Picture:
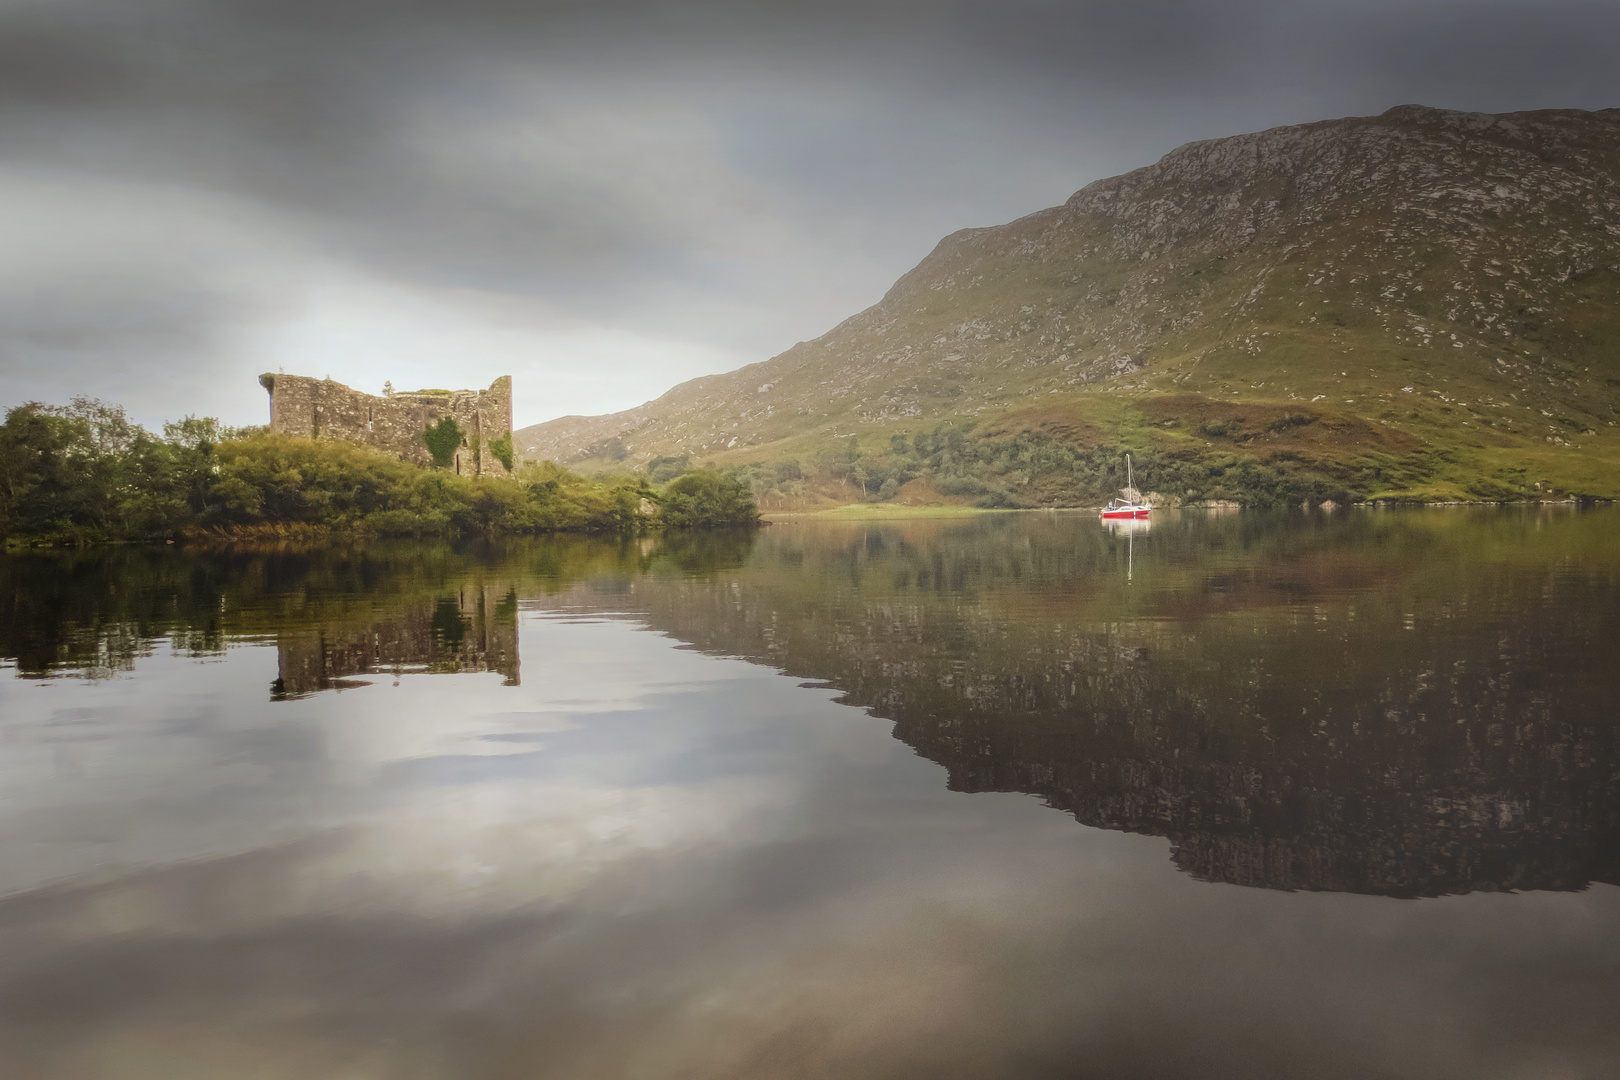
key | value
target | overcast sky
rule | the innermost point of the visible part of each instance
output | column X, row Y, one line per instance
column 603, row 199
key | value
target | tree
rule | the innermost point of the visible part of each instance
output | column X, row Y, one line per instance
column 110, row 429
column 704, row 498
column 52, row 482
column 663, row 469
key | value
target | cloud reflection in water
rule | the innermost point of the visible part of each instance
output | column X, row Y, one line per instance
column 653, row 860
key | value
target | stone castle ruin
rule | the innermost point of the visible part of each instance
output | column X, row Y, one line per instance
column 477, row 441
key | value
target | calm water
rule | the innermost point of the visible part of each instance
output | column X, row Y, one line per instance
column 1017, row 796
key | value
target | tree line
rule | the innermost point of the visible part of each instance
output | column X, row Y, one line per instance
column 1031, row 470
column 86, row 473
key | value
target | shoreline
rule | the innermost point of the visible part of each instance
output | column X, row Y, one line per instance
column 313, row 536
column 897, row 512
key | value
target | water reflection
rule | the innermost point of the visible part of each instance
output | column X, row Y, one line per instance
column 1398, row 705
column 673, row 854
column 1405, row 706
column 474, row 630
column 1129, row 528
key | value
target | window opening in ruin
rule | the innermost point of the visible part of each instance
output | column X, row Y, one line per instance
column 458, row 464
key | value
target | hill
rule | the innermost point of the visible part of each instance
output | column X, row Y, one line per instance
column 1419, row 305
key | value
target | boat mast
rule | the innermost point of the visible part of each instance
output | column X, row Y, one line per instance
column 1130, row 482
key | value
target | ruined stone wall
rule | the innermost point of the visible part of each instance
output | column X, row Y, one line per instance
column 323, row 409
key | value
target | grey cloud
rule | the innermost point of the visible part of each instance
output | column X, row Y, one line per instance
column 738, row 174
column 156, row 333
column 131, row 311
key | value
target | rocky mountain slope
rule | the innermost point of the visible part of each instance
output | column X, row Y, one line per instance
column 1430, row 296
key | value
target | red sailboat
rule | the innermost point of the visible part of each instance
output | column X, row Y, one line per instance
column 1132, row 507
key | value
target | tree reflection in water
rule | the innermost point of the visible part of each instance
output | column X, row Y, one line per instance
column 1397, row 704
column 1403, row 704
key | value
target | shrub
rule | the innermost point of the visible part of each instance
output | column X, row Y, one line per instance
column 962, row 485
column 502, row 449
column 661, row 470
column 704, row 498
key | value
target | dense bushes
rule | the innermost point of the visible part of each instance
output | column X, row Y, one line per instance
column 705, row 499
column 85, row 473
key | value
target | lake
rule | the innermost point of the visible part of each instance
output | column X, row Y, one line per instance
column 1020, row 795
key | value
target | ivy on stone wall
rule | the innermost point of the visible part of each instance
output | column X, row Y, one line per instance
column 442, row 439
column 502, row 449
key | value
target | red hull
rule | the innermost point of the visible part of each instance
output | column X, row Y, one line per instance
column 1128, row 512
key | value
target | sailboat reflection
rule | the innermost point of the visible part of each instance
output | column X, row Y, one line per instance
column 1129, row 527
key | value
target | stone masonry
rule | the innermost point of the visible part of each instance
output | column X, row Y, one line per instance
column 323, row 409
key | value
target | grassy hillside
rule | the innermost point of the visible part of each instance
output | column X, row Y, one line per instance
column 1420, row 305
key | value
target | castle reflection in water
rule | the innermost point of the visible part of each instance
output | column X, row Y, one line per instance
column 472, row 631
column 1401, row 706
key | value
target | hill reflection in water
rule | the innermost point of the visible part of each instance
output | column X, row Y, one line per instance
column 1401, row 704
column 1387, row 703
